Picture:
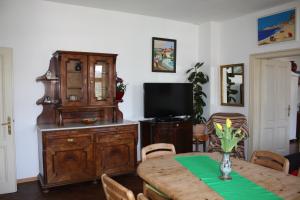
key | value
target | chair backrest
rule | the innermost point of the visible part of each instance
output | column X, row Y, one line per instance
column 115, row 191
column 158, row 149
column 238, row 121
column 271, row 160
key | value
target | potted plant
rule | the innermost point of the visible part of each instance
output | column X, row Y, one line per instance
column 198, row 78
column 120, row 88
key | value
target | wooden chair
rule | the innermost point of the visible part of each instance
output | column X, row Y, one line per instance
column 158, row 149
column 153, row 151
column 115, row 191
column 271, row 160
column 200, row 139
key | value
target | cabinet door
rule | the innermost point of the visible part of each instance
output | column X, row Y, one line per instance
column 115, row 153
column 73, row 80
column 184, row 137
column 163, row 133
column 69, row 157
column 102, row 84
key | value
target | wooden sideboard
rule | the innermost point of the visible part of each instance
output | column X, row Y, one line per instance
column 76, row 153
column 179, row 133
column 80, row 87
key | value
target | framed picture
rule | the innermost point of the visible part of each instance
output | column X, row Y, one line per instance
column 277, row 27
column 163, row 55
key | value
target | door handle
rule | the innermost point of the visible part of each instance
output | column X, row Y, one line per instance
column 8, row 124
column 289, row 110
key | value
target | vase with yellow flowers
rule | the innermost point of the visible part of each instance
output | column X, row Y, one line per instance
column 229, row 139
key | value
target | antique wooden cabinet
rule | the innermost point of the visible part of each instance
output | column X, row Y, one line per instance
column 80, row 88
column 75, row 153
column 179, row 133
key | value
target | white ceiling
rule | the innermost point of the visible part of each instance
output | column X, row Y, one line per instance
column 192, row 11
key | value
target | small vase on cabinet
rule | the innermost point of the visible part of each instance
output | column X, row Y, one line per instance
column 119, row 95
column 293, row 66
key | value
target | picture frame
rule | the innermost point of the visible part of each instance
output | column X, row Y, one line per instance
column 232, row 84
column 163, row 55
column 277, row 27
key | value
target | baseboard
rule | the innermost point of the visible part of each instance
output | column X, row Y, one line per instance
column 25, row 180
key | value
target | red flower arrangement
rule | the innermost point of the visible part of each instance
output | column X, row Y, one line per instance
column 120, row 88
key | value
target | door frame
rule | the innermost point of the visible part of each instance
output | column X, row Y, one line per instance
column 255, row 91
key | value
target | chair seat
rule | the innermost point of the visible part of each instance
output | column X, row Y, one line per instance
column 200, row 139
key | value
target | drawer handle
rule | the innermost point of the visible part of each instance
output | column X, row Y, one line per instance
column 70, row 140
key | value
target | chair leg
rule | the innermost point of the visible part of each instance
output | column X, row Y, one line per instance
column 197, row 145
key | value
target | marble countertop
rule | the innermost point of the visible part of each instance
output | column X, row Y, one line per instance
column 70, row 126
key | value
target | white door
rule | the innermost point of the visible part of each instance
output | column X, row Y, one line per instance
column 275, row 106
column 7, row 146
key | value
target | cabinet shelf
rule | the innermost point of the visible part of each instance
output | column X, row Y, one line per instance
column 74, row 88
column 46, row 100
column 44, row 78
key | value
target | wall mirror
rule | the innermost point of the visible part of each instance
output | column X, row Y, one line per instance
column 232, row 85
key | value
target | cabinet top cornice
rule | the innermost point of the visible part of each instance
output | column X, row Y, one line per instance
column 83, row 53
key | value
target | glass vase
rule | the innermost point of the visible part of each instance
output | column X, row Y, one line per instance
column 225, row 167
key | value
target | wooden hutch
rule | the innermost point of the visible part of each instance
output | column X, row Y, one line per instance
column 81, row 131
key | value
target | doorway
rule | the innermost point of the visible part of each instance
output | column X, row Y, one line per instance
column 257, row 121
column 8, row 182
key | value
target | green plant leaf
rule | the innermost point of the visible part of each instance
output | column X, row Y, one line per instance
column 198, row 78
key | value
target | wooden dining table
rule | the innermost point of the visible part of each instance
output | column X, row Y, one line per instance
column 170, row 177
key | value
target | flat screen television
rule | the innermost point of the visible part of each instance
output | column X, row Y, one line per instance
column 166, row 100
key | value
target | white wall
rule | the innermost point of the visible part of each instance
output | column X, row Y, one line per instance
column 237, row 40
column 209, row 40
column 36, row 28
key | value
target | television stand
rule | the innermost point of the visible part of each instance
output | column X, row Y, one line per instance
column 177, row 131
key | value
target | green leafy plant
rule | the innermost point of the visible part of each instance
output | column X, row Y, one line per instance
column 198, row 78
column 228, row 137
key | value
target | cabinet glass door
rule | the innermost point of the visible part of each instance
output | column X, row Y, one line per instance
column 74, row 77
column 101, row 79
column 74, row 80
column 101, row 86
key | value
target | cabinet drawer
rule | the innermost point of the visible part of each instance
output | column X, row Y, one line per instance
column 104, row 130
column 68, row 140
column 113, row 137
column 127, row 128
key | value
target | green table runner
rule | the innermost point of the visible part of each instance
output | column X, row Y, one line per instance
column 239, row 188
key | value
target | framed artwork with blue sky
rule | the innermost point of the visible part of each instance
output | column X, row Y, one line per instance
column 163, row 55
column 277, row 27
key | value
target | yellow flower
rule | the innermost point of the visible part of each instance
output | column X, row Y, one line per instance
column 219, row 126
column 238, row 131
column 228, row 123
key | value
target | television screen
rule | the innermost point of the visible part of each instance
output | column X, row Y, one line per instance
column 167, row 99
